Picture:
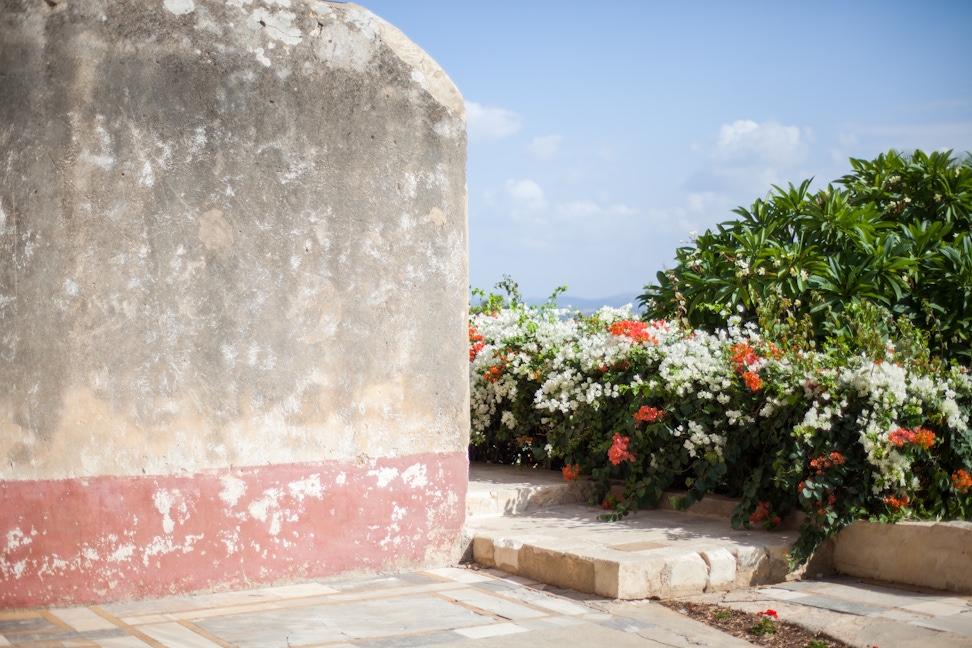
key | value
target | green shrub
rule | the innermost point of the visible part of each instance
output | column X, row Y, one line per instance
column 896, row 237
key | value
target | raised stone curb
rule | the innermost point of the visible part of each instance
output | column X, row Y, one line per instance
column 568, row 547
column 924, row 554
column 663, row 553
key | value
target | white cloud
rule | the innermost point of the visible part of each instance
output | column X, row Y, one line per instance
column 485, row 122
column 768, row 144
column 583, row 209
column 545, row 147
column 745, row 159
column 578, row 210
column 622, row 210
column 741, row 164
column 527, row 196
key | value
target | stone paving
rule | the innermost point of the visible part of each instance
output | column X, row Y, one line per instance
column 471, row 607
column 441, row 607
column 861, row 613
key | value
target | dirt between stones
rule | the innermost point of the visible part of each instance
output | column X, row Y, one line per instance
column 747, row 626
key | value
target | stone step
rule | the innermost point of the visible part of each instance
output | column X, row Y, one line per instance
column 530, row 523
column 496, row 490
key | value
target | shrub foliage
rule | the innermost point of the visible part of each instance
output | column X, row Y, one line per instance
column 897, row 235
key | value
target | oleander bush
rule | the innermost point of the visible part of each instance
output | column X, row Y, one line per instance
column 771, row 386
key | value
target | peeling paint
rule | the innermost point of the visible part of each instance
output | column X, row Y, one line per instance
column 310, row 487
column 163, row 502
column 416, row 476
column 384, row 475
column 303, row 524
column 122, row 553
column 233, row 490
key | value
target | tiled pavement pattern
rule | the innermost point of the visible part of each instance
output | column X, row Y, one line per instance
column 862, row 614
column 441, row 607
column 482, row 608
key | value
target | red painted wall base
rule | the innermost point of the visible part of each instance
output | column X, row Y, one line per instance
column 106, row 539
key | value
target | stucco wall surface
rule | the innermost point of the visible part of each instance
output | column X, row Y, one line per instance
column 232, row 237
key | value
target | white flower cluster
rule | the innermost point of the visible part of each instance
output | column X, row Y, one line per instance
column 565, row 361
column 699, row 441
column 885, row 384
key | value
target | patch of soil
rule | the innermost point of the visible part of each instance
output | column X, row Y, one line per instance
column 775, row 634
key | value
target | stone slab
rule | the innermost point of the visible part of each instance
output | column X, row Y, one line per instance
column 509, row 490
column 652, row 553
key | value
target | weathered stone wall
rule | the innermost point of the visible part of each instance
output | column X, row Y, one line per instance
column 233, row 291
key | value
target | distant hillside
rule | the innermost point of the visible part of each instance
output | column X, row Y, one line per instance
column 588, row 305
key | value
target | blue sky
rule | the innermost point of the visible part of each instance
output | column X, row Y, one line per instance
column 602, row 133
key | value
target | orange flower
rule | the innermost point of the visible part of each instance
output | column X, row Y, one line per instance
column 570, row 472
column 492, row 374
column 744, row 354
column 619, row 450
column 896, row 502
column 920, row 437
column 637, row 331
column 474, row 349
column 762, row 515
column 476, row 343
column 924, row 438
column 648, row 414
column 821, row 464
column 961, row 481
column 900, row 437
column 753, row 381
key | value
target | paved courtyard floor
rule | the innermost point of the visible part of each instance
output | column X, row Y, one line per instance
column 439, row 607
column 481, row 608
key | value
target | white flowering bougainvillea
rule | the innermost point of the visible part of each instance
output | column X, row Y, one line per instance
column 652, row 406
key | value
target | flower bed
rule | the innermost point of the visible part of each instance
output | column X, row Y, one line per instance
column 838, row 435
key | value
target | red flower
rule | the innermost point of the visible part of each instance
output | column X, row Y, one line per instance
column 648, row 414
column 920, row 437
column 611, row 502
column 637, row 331
column 570, row 471
column 619, row 450
column 821, row 464
column 476, row 343
column 762, row 515
column 474, row 335
column 744, row 354
column 769, row 613
column 900, row 437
